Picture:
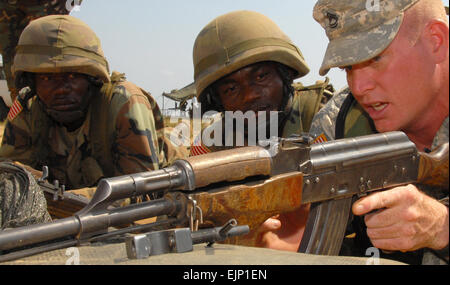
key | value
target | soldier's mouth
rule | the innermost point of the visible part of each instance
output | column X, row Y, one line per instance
column 261, row 108
column 378, row 106
column 376, row 110
column 65, row 107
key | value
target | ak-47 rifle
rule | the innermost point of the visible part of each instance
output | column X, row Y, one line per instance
column 249, row 184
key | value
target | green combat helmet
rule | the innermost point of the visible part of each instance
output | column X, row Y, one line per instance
column 238, row 39
column 57, row 44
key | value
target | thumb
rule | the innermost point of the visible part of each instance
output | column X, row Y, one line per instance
column 271, row 224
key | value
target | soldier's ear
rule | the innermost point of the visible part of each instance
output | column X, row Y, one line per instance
column 292, row 73
column 436, row 37
column 26, row 79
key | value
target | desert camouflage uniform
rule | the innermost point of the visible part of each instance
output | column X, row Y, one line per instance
column 324, row 126
column 14, row 17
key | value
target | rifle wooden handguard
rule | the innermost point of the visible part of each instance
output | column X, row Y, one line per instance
column 230, row 165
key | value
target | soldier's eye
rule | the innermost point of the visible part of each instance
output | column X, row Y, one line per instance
column 376, row 59
column 230, row 90
column 262, row 76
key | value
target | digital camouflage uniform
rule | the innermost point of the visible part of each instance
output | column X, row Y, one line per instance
column 323, row 127
column 238, row 39
column 357, row 34
column 121, row 132
column 14, row 17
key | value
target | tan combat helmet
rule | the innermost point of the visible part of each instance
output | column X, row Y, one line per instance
column 60, row 43
column 358, row 30
column 238, row 39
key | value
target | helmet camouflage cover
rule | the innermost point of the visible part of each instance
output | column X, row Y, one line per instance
column 238, row 39
column 60, row 43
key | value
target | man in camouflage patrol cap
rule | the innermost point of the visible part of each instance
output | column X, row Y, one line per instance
column 77, row 119
column 395, row 54
column 14, row 17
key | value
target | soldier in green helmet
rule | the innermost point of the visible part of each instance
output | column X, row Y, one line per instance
column 243, row 62
column 395, row 54
column 72, row 115
column 14, row 17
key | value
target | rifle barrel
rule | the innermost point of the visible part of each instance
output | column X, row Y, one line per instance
column 22, row 236
column 87, row 224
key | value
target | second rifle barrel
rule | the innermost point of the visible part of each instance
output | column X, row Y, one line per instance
column 22, row 236
column 85, row 223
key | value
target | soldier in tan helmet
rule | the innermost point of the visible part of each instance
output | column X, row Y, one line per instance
column 14, row 17
column 72, row 115
column 395, row 54
column 245, row 63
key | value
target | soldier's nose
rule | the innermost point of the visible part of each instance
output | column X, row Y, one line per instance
column 360, row 81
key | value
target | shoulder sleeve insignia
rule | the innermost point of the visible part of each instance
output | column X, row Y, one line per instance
column 15, row 110
column 320, row 139
column 197, row 148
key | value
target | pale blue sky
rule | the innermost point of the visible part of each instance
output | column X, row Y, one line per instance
column 151, row 40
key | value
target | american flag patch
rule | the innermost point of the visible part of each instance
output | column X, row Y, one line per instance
column 320, row 139
column 15, row 110
column 198, row 148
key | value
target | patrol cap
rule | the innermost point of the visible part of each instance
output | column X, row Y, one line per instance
column 57, row 44
column 358, row 30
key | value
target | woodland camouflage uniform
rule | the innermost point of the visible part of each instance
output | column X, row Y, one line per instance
column 14, row 17
column 122, row 130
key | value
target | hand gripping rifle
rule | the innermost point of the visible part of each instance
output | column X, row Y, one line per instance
column 251, row 184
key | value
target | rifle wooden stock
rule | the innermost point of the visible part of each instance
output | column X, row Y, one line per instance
column 252, row 203
column 433, row 167
column 64, row 205
column 60, row 205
